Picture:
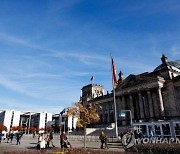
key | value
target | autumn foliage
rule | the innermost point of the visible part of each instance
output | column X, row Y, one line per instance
column 3, row 128
column 86, row 113
column 16, row 128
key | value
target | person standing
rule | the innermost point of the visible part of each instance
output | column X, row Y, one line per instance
column 0, row 137
column 48, row 139
column 102, row 138
column 106, row 141
column 8, row 137
column 11, row 136
column 42, row 141
column 63, row 139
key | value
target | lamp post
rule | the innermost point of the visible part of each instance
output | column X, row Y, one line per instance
column 123, row 115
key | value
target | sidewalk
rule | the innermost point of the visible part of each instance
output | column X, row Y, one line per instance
column 29, row 143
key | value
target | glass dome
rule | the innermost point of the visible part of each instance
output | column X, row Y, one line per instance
column 169, row 63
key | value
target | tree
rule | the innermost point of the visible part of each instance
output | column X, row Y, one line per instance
column 86, row 114
column 16, row 128
column 3, row 128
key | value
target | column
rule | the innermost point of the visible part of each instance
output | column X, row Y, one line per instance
column 150, row 103
column 119, row 106
column 123, row 103
column 161, row 102
column 155, row 105
column 137, row 111
column 131, row 106
column 141, row 106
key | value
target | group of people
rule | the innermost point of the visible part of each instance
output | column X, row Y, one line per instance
column 10, row 136
column 44, row 140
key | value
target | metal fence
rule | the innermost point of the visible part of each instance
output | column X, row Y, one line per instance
column 81, row 138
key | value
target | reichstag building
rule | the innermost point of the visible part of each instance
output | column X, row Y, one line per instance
column 150, row 97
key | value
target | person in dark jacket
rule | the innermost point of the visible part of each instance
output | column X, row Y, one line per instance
column 63, row 140
column 18, row 137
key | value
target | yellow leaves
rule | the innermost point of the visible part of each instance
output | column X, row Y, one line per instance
column 86, row 113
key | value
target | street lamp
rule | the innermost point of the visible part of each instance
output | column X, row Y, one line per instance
column 122, row 114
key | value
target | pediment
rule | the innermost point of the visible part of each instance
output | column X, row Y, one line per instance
column 134, row 80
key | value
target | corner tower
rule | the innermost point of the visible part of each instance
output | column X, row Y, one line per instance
column 91, row 91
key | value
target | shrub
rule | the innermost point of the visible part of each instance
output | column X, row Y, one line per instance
column 72, row 151
column 156, row 148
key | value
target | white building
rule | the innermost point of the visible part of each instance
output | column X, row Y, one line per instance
column 39, row 120
column 10, row 118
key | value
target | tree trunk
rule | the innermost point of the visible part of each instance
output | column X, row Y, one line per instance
column 84, row 136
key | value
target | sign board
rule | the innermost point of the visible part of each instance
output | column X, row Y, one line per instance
column 122, row 114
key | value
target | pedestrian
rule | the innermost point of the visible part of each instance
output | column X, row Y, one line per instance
column 8, row 137
column 102, row 138
column 48, row 139
column 0, row 137
column 106, row 141
column 151, row 134
column 63, row 139
column 51, row 138
column 34, row 134
column 18, row 136
column 11, row 136
column 42, row 142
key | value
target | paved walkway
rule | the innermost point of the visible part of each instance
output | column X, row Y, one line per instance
column 29, row 143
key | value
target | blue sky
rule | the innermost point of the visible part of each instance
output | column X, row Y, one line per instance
column 49, row 49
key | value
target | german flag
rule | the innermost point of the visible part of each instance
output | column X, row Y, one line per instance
column 114, row 80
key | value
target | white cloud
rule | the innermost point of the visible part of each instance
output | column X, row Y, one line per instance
column 11, row 104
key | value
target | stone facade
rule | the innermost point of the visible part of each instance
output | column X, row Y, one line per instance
column 150, row 96
column 91, row 91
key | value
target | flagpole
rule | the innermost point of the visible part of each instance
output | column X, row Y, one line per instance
column 114, row 98
column 60, row 119
column 115, row 113
column 92, row 80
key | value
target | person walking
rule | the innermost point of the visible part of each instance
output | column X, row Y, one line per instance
column 102, row 138
column 18, row 138
column 63, row 139
column 51, row 138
